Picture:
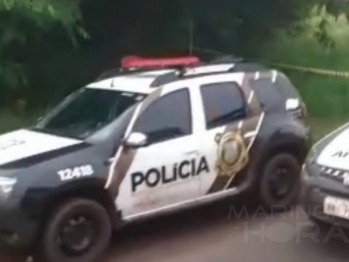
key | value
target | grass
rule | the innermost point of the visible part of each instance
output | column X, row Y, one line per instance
column 326, row 97
column 10, row 121
column 323, row 126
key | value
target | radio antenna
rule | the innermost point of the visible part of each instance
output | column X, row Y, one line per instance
column 191, row 36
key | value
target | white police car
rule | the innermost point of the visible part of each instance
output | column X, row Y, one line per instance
column 326, row 179
column 147, row 140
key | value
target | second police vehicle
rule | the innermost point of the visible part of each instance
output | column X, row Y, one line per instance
column 326, row 179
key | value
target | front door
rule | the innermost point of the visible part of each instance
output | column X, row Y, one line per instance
column 167, row 170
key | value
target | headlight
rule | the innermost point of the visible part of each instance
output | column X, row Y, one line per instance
column 310, row 167
column 6, row 186
column 312, row 155
column 305, row 174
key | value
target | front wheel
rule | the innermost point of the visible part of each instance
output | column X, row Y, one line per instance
column 318, row 222
column 280, row 182
column 79, row 230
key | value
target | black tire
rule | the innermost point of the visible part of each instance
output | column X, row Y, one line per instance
column 53, row 245
column 291, row 172
column 320, row 223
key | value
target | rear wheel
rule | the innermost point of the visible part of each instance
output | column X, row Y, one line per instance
column 79, row 230
column 318, row 222
column 280, row 183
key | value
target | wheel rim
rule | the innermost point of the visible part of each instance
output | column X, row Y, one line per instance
column 281, row 182
column 76, row 235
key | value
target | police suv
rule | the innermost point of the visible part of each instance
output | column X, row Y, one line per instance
column 159, row 135
column 326, row 176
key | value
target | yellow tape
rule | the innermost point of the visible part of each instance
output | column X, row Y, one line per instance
column 314, row 70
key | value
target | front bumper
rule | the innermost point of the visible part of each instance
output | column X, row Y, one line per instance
column 17, row 231
column 315, row 189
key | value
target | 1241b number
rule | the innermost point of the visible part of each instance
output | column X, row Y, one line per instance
column 76, row 172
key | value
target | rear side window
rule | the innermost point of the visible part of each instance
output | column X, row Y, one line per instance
column 286, row 87
column 169, row 117
column 269, row 96
column 223, row 104
column 273, row 96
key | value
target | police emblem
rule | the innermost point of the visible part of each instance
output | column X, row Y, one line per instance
column 232, row 155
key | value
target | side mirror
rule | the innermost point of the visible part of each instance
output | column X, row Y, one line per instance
column 136, row 140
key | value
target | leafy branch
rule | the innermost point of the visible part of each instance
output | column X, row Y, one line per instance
column 24, row 22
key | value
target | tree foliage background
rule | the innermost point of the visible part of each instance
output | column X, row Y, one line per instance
column 50, row 47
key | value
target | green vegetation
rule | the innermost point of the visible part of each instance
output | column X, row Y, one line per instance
column 319, row 41
column 323, row 126
column 25, row 27
column 10, row 121
column 48, row 48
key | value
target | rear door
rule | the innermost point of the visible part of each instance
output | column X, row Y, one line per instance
column 231, row 118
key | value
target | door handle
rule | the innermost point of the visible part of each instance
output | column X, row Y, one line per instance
column 110, row 160
column 194, row 152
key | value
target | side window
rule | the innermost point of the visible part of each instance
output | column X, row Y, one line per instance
column 268, row 94
column 224, row 103
column 285, row 86
column 168, row 117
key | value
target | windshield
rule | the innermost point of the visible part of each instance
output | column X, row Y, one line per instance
column 87, row 111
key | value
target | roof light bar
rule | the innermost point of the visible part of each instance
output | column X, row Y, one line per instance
column 135, row 61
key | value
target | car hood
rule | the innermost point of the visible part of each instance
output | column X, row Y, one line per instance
column 26, row 143
column 335, row 153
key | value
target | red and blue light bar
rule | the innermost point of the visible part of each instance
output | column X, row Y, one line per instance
column 141, row 62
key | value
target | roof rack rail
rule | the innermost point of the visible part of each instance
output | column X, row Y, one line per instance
column 221, row 65
column 165, row 79
column 208, row 69
column 249, row 67
column 243, row 64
